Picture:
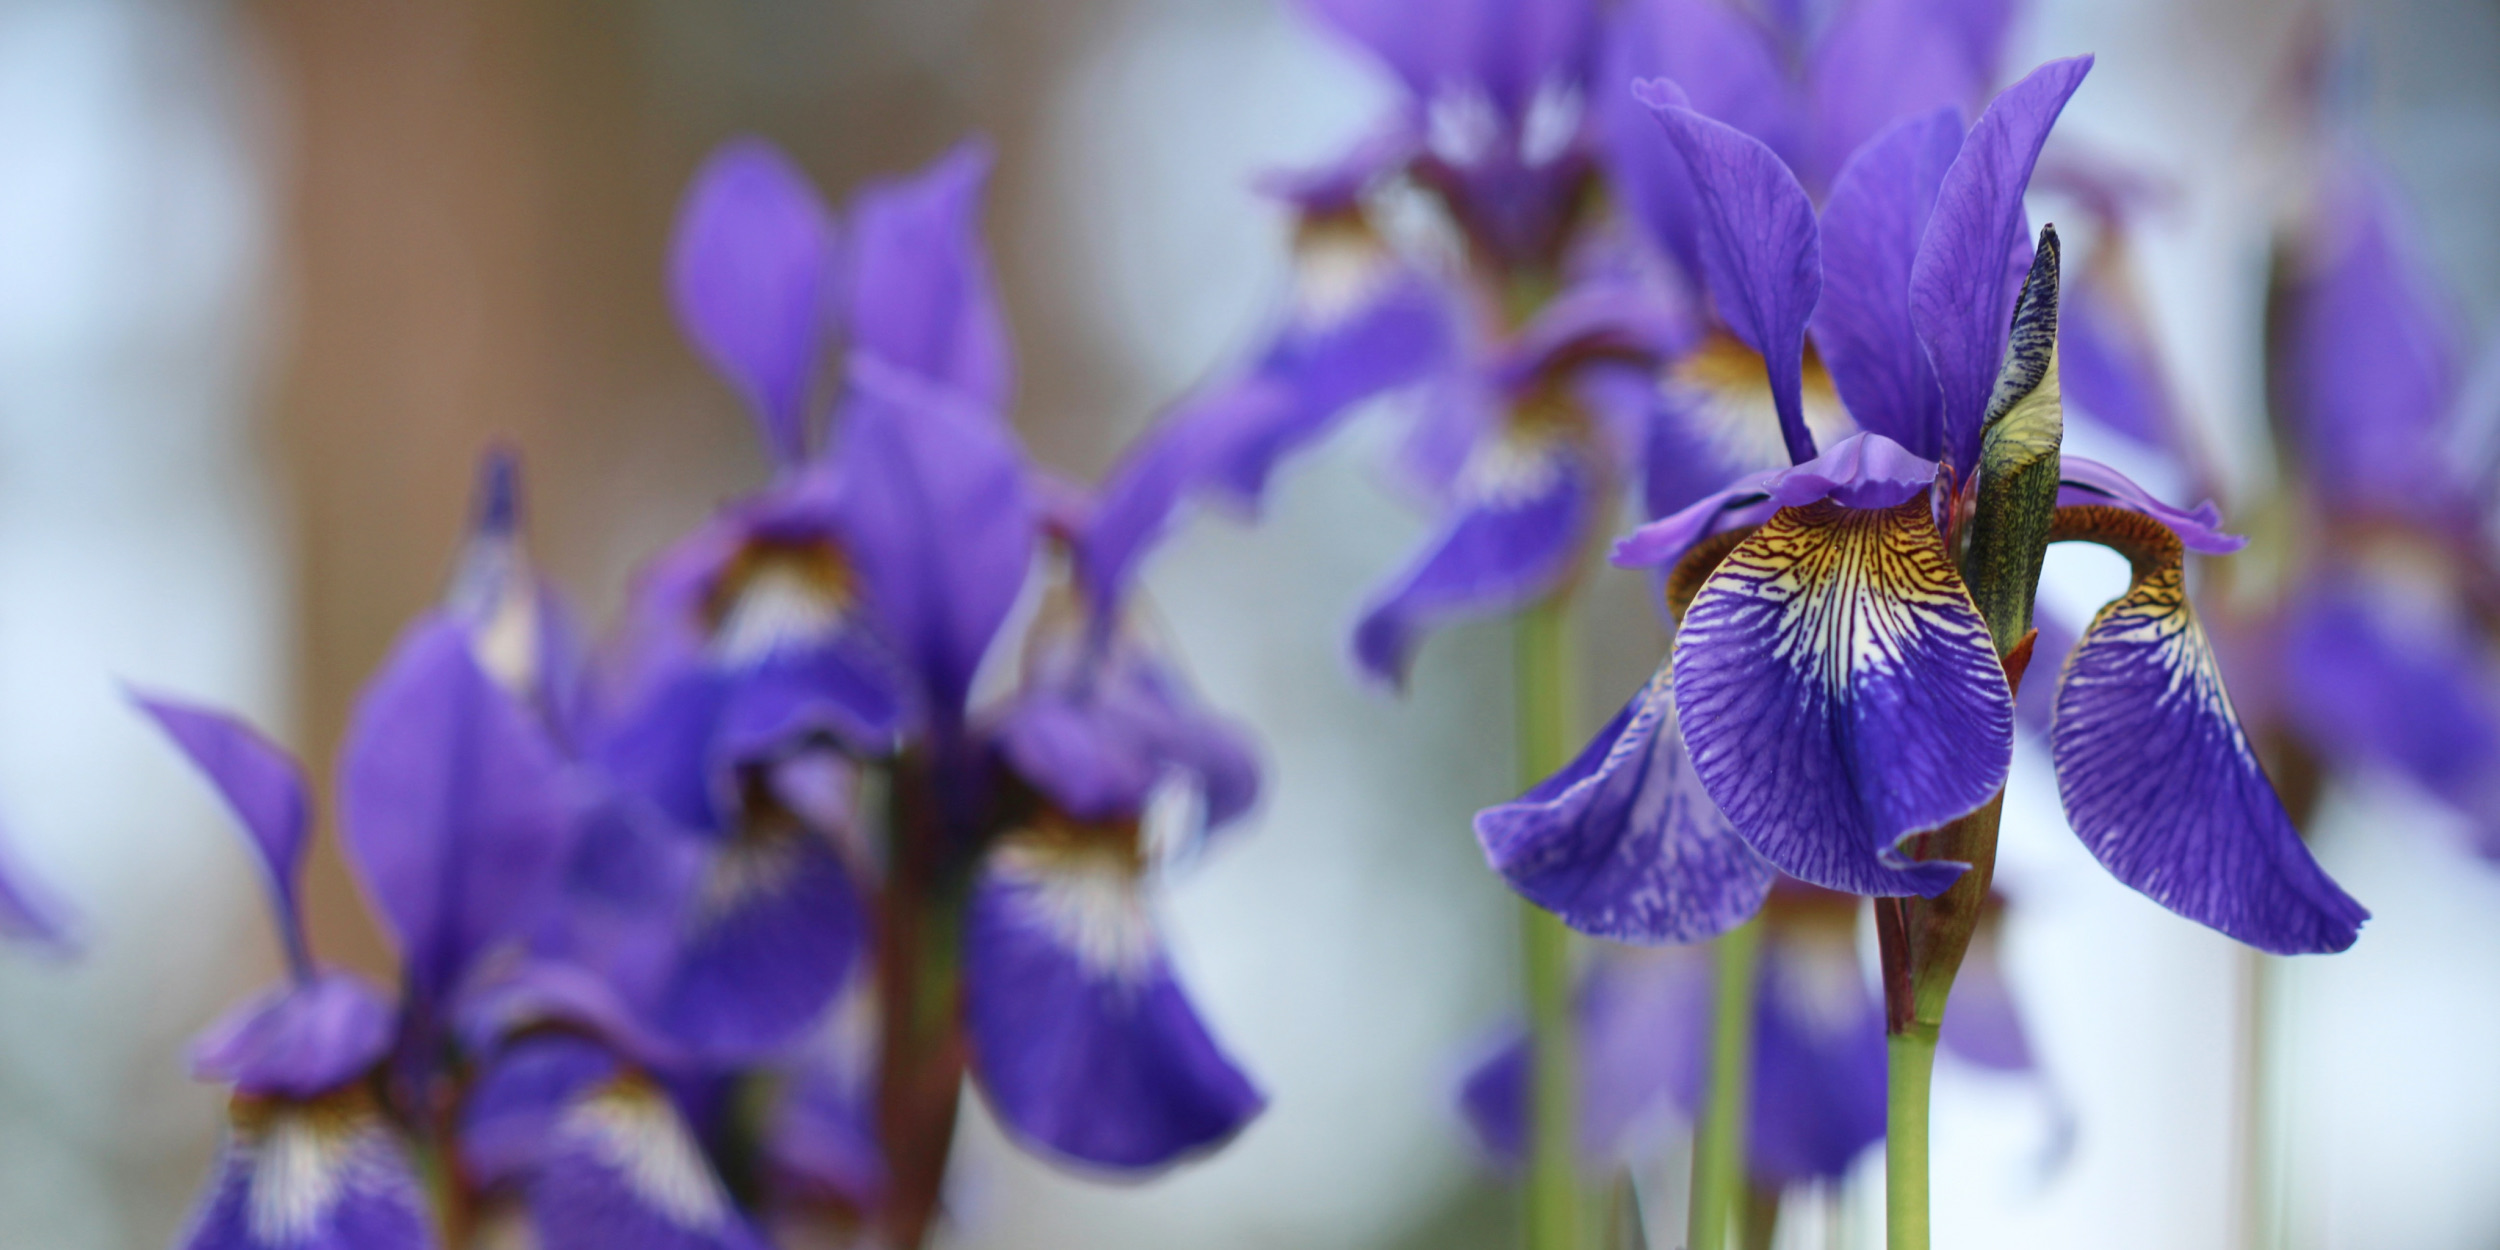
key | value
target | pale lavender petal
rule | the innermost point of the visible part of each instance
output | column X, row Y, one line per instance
column 1981, row 1022
column 265, row 789
column 1962, row 285
column 299, row 1040
column 1083, row 1043
column 2107, row 364
column 1730, row 68
column 1839, row 693
column 1642, row 1020
column 331, row 1175
column 1622, row 843
column 1760, row 252
column 2158, row 777
column 1863, row 471
column 921, row 295
column 2086, row 482
column 1872, row 224
column 749, row 272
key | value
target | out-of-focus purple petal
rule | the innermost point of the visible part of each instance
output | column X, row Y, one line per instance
column 2108, row 366
column 1504, row 50
column 1730, row 67
column 2037, row 695
column 921, row 296
column 1097, row 729
column 1622, row 843
column 2157, row 775
column 1839, row 693
column 1862, row 471
column 456, row 808
column 1881, row 61
column 2398, row 681
column 934, row 504
column 326, row 1175
column 748, row 271
column 1962, row 285
column 555, row 997
column 1525, row 508
column 1083, row 1043
column 1981, row 1023
column 265, row 789
column 30, row 912
column 508, row 1118
column 1818, row 1089
column 622, row 1170
column 1872, row 224
column 1760, row 252
column 2086, row 482
column 1642, row 1020
column 770, row 937
column 300, row 1040
column 825, row 1134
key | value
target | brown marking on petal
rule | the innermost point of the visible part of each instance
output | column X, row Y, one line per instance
column 813, row 564
column 1699, row 562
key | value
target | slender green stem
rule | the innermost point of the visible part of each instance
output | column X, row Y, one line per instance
column 1543, row 673
column 1911, row 1064
column 2261, row 1165
column 1719, row 1149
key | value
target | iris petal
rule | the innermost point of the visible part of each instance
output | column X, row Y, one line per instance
column 1839, row 693
column 2157, row 775
column 1623, row 843
column 329, row 1174
column 748, row 272
column 771, row 933
column 623, row 1171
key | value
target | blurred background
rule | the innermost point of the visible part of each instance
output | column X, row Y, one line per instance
column 271, row 274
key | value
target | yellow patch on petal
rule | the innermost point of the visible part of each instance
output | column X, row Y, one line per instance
column 1723, row 385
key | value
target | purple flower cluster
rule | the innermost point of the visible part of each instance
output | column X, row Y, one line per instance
column 701, row 934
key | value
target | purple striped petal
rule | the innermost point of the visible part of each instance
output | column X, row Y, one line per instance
column 2157, row 775
column 1872, row 224
column 298, row 1040
column 457, row 809
column 264, row 788
column 769, row 938
column 2082, row 482
column 1623, row 843
column 920, row 293
column 1083, row 1043
column 623, row 1171
column 1760, row 252
column 749, row 272
column 1963, row 283
column 1526, row 503
column 329, row 1174
column 1864, row 471
column 1839, row 693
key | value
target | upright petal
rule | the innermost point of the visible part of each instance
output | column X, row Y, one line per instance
column 1839, row 693
column 298, row 1040
column 920, row 293
column 457, row 808
column 1872, row 224
column 749, row 271
column 1730, row 66
column 1623, row 843
column 938, row 516
column 2157, row 775
column 1963, row 283
column 1878, row 62
column 1081, row 1038
column 1526, row 506
column 1504, row 49
column 1761, row 256
column 327, row 1174
column 264, row 788
column 2110, row 367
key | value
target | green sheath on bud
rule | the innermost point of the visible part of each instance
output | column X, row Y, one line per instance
column 2018, row 466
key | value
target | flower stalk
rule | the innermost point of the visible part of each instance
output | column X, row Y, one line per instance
column 1719, row 1151
column 1542, row 671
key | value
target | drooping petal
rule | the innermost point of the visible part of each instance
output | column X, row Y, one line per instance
column 1871, row 225
column 2157, row 775
column 1963, row 284
column 508, row 1117
column 456, row 807
column 1623, row 843
column 1759, row 250
column 622, row 1170
column 767, row 941
column 748, row 272
column 298, row 1040
column 940, row 521
column 2085, row 483
column 1839, row 693
column 265, row 789
column 1083, row 1042
column 825, row 1133
column 1881, row 61
column 328, row 1174
column 1526, row 505
column 1862, row 471
column 919, row 289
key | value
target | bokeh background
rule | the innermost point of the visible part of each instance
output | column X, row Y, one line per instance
column 272, row 273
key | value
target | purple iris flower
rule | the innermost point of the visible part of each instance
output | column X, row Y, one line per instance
column 310, row 1161
column 1838, row 689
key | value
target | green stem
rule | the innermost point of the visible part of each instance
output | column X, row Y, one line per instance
column 1719, row 1151
column 1910, row 1062
column 2261, row 1167
column 1543, row 673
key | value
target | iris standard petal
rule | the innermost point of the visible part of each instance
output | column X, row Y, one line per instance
column 1526, row 503
column 1871, row 225
column 1084, row 1044
column 264, row 788
column 623, row 1171
column 1505, row 49
column 1623, row 843
column 1878, row 62
column 767, row 941
column 1730, row 66
column 456, row 807
column 300, row 1040
column 1760, row 253
column 1839, row 693
column 1964, row 281
column 327, row 1174
column 749, row 271
column 918, row 286
column 2157, row 775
